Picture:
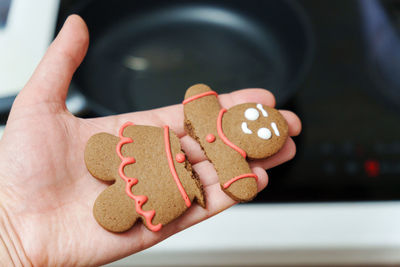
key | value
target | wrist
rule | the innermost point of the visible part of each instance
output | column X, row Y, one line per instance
column 11, row 250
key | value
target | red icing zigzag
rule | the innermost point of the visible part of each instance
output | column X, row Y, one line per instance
column 130, row 181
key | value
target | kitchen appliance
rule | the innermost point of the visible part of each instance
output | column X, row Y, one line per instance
column 337, row 201
column 145, row 54
column 349, row 149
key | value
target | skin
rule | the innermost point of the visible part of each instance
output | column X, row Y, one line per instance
column 46, row 192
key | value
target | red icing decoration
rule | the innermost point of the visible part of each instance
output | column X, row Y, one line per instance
column 234, row 179
column 224, row 138
column 130, row 181
column 172, row 167
column 210, row 138
column 199, row 96
column 180, row 157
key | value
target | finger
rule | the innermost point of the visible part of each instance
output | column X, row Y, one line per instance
column 293, row 121
column 217, row 201
column 196, row 154
column 173, row 116
column 226, row 101
column 49, row 82
column 192, row 149
column 287, row 152
column 262, row 177
column 205, row 170
column 255, row 95
column 208, row 176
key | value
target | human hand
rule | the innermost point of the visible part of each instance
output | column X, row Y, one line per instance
column 47, row 194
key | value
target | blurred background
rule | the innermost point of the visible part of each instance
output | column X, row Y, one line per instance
column 335, row 63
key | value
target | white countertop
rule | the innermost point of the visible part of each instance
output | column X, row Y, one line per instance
column 255, row 234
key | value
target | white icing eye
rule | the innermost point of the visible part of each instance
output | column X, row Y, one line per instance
column 264, row 133
column 246, row 129
column 275, row 128
column 251, row 114
column 263, row 111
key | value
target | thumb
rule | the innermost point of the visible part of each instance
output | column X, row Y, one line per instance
column 50, row 81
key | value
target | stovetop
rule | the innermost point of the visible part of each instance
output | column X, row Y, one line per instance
column 349, row 149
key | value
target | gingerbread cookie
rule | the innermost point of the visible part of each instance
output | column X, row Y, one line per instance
column 152, row 180
column 229, row 137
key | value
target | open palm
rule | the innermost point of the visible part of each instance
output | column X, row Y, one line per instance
column 46, row 192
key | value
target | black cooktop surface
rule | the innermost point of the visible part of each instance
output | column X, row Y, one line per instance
column 349, row 149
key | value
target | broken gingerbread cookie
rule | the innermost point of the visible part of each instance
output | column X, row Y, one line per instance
column 152, row 179
column 230, row 137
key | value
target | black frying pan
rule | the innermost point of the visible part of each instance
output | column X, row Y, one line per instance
column 144, row 54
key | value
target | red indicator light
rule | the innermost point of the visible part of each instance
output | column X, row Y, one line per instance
column 371, row 168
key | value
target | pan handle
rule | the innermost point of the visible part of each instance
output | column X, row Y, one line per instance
column 6, row 103
column 76, row 102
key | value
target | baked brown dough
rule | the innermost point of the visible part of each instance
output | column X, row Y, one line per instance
column 230, row 137
column 140, row 154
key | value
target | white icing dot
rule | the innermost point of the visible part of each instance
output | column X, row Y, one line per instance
column 264, row 133
column 263, row 111
column 251, row 114
column 275, row 128
column 246, row 129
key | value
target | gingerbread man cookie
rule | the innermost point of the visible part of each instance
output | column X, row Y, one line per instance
column 152, row 180
column 229, row 137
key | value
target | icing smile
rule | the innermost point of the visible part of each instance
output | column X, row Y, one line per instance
column 245, row 128
column 264, row 132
